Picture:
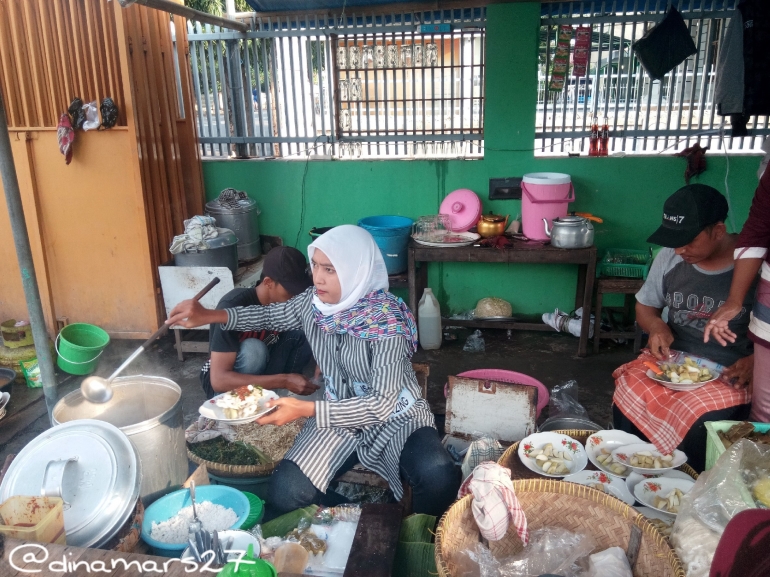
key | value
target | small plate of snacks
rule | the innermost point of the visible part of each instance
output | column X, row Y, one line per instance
column 663, row 494
column 684, row 372
column 635, row 478
column 239, row 406
column 600, row 445
column 645, row 459
column 552, row 454
column 603, row 482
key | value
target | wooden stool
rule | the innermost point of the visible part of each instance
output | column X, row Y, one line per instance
column 627, row 287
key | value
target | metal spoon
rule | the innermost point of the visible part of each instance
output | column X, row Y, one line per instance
column 196, row 527
column 98, row 389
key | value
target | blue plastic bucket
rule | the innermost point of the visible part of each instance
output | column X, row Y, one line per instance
column 391, row 233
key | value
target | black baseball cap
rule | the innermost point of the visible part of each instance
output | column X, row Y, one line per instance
column 287, row 266
column 687, row 212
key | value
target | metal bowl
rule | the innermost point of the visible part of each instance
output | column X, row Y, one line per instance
column 6, row 373
column 566, row 423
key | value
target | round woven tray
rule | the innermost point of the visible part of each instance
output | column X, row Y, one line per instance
column 510, row 459
column 233, row 471
column 577, row 508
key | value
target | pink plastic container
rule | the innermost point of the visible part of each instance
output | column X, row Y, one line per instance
column 463, row 207
column 543, row 395
column 544, row 195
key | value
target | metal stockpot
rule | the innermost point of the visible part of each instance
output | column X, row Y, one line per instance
column 149, row 411
column 240, row 216
column 222, row 251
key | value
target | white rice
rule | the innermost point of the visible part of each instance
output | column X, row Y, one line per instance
column 213, row 517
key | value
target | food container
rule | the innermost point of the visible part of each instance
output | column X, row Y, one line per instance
column 241, row 217
column 149, row 411
column 714, row 445
column 222, row 251
column 463, row 207
column 92, row 466
column 39, row 519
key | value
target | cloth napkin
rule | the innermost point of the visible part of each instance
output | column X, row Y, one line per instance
column 206, row 429
column 197, row 230
column 495, row 504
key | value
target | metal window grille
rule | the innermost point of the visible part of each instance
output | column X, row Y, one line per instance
column 279, row 91
column 644, row 116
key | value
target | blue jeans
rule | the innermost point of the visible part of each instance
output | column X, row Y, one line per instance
column 424, row 464
column 289, row 355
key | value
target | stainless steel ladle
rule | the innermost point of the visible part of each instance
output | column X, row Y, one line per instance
column 99, row 390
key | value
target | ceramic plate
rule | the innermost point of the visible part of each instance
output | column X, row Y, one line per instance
column 635, row 478
column 537, row 441
column 624, row 454
column 612, row 485
column 678, row 357
column 647, row 490
column 608, row 440
column 468, row 239
column 210, row 410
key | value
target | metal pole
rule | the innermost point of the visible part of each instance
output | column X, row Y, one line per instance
column 26, row 265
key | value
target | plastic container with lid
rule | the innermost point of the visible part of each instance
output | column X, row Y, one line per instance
column 39, row 519
column 463, row 207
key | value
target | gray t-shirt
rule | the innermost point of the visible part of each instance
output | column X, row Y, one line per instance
column 692, row 295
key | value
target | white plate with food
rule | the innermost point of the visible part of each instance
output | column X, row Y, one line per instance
column 662, row 494
column 683, row 372
column 635, row 478
column 644, row 458
column 552, row 454
column 603, row 482
column 239, row 406
column 449, row 240
column 600, row 445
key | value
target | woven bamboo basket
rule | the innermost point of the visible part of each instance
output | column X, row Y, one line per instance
column 233, row 471
column 577, row 508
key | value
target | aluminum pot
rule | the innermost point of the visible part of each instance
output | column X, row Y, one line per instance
column 222, row 251
column 240, row 216
column 149, row 411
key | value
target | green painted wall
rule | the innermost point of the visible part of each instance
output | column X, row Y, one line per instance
column 628, row 192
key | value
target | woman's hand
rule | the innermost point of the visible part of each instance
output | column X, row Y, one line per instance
column 289, row 409
column 740, row 374
column 660, row 340
column 718, row 325
column 191, row 314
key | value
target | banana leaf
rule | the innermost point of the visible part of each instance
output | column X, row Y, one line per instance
column 281, row 526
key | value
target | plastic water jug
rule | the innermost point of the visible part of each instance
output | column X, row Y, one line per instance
column 429, row 321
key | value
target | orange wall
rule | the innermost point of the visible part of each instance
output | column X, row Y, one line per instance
column 89, row 218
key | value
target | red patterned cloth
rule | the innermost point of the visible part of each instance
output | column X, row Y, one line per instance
column 663, row 415
column 495, row 504
column 66, row 137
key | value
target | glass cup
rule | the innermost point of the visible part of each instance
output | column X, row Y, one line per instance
column 355, row 89
column 392, row 56
column 417, row 54
column 406, row 56
column 431, row 55
column 379, row 56
column 345, row 120
column 367, row 56
column 344, row 93
column 342, row 57
column 354, row 57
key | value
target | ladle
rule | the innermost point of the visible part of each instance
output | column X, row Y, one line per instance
column 98, row 389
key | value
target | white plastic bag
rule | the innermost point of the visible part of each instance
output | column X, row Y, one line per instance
column 611, row 562
column 92, row 116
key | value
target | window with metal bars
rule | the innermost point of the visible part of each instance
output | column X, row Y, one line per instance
column 360, row 86
column 644, row 116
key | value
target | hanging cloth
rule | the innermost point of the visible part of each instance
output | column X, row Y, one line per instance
column 665, row 45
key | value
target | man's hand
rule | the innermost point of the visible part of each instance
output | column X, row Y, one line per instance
column 660, row 341
column 740, row 374
column 717, row 326
column 299, row 385
column 289, row 409
column 191, row 314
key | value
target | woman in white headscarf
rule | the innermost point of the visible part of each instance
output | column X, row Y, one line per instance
column 363, row 339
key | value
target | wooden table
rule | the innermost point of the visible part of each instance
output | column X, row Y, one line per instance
column 521, row 252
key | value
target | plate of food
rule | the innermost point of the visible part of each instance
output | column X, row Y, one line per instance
column 635, row 478
column 448, row 240
column 600, row 445
column 663, row 494
column 239, row 406
column 603, row 482
column 683, row 372
column 644, row 458
column 552, row 454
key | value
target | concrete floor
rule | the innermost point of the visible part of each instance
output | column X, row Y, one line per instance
column 549, row 357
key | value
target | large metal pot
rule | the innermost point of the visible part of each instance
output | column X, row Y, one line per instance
column 222, row 251
column 240, row 216
column 149, row 411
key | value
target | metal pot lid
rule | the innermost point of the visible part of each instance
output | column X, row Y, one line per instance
column 92, row 466
column 226, row 237
column 238, row 205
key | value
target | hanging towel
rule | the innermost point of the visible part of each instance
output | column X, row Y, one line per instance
column 197, row 230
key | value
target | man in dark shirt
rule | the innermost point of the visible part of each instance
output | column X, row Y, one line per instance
column 268, row 359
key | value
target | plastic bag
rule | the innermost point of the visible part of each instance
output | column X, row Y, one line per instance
column 92, row 116
column 31, row 372
column 551, row 550
column 611, row 562
column 564, row 403
column 483, row 448
column 475, row 343
column 717, row 496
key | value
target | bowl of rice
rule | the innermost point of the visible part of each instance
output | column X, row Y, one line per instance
column 167, row 520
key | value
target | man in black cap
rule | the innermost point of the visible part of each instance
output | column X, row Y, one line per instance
column 268, row 359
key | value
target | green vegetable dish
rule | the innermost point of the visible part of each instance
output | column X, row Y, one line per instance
column 222, row 451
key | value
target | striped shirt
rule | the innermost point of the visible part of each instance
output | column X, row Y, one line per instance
column 372, row 399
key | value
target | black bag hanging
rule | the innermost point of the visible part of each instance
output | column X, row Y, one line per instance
column 665, row 46
column 109, row 113
column 77, row 113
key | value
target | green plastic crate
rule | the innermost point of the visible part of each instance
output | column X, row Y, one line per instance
column 625, row 262
column 714, row 446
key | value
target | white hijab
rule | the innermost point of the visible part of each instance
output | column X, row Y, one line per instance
column 358, row 262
